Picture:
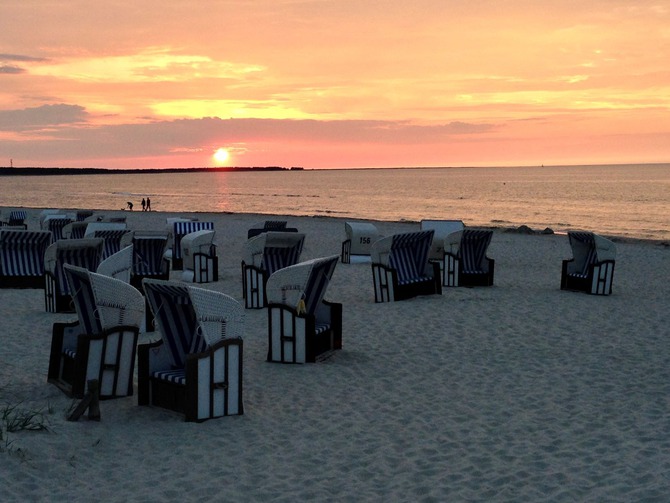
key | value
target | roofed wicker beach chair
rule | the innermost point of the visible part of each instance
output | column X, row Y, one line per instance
column 302, row 326
column 85, row 253
column 196, row 366
column 591, row 269
column 148, row 262
column 101, row 344
column 401, row 269
column 75, row 230
column 263, row 255
column 22, row 257
column 54, row 223
column 358, row 243
column 465, row 262
column 119, row 265
column 16, row 218
column 442, row 229
column 200, row 263
column 269, row 225
column 178, row 229
column 111, row 232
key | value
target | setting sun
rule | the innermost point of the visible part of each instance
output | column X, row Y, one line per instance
column 221, row 155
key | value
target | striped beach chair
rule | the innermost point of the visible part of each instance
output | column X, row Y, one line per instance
column 110, row 232
column 200, row 263
column 302, row 326
column 17, row 218
column 102, row 343
column 148, row 262
column 358, row 242
column 181, row 228
column 591, row 269
column 196, row 366
column 22, row 258
column 55, row 223
column 465, row 262
column 85, row 253
column 401, row 269
column 263, row 255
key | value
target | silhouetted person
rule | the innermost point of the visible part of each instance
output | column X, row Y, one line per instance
column 130, row 205
column 144, row 205
column 148, row 204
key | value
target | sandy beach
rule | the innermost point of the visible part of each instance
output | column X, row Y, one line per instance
column 517, row 392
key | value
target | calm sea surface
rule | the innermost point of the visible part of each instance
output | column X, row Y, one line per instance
column 630, row 200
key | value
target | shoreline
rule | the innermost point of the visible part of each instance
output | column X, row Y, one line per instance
column 522, row 229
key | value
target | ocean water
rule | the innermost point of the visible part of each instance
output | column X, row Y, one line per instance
column 619, row 200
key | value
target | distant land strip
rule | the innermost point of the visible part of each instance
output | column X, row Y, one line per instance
column 37, row 171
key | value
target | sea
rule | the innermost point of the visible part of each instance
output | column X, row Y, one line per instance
column 630, row 201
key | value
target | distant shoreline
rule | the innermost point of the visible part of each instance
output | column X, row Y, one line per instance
column 47, row 171
column 40, row 171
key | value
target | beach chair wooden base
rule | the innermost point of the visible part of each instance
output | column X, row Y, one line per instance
column 201, row 395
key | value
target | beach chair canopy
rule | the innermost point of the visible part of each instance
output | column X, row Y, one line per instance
column 361, row 236
column 272, row 251
column 118, row 265
column 302, row 284
column 442, row 229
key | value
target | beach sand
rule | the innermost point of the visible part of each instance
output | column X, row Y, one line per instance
column 517, row 392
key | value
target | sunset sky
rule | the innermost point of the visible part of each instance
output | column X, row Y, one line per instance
column 333, row 83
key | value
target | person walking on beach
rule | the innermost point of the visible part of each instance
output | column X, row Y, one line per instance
column 148, row 204
column 130, row 205
column 144, row 205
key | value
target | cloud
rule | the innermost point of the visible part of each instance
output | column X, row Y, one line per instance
column 167, row 138
column 8, row 69
column 19, row 57
column 28, row 119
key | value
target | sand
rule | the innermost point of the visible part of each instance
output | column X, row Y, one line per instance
column 517, row 392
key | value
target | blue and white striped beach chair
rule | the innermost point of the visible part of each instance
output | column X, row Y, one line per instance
column 22, row 258
column 302, row 326
column 85, row 253
column 591, row 269
column 199, row 260
column 179, row 229
column 263, row 255
column 196, row 366
column 358, row 243
column 465, row 262
column 101, row 344
column 400, row 267
column 17, row 218
column 148, row 262
column 55, row 224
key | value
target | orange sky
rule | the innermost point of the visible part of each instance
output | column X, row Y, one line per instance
column 325, row 83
